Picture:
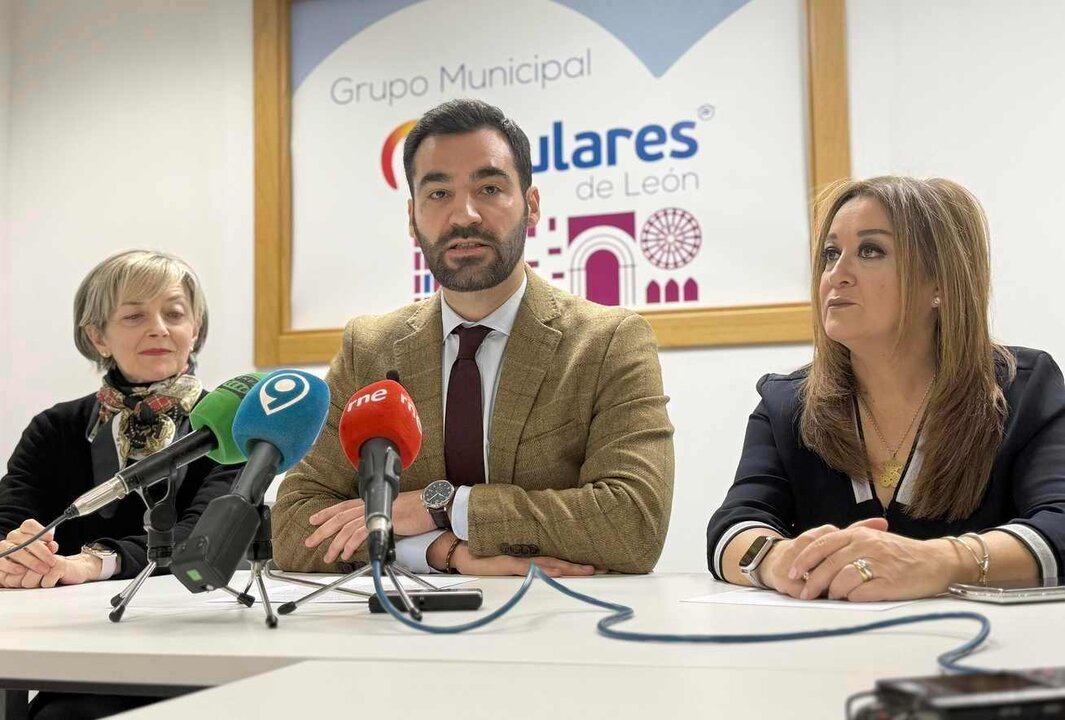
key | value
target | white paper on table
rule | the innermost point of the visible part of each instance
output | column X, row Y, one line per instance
column 769, row 598
column 280, row 592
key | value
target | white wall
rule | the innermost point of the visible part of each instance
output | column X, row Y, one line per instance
column 5, row 241
column 974, row 91
column 132, row 125
column 711, row 395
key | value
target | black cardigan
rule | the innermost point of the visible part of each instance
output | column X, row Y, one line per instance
column 52, row 465
column 783, row 485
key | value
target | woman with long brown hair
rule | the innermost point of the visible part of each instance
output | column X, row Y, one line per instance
column 913, row 451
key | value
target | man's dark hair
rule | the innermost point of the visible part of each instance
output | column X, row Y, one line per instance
column 456, row 117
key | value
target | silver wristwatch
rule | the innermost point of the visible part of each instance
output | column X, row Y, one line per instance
column 752, row 559
column 108, row 556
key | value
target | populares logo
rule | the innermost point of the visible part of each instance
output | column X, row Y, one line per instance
column 560, row 150
column 398, row 135
column 283, row 391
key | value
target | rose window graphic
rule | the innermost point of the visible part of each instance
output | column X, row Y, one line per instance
column 670, row 238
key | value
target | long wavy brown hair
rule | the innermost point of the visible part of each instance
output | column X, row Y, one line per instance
column 941, row 235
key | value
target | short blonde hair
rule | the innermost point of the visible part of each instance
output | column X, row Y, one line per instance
column 133, row 275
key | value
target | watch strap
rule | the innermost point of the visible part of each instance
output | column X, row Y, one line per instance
column 110, row 560
column 439, row 515
column 751, row 570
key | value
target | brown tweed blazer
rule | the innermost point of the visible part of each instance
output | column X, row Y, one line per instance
column 581, row 450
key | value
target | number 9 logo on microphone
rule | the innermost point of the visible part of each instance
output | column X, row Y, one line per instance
column 282, row 391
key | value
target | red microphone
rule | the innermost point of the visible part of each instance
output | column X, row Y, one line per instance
column 381, row 434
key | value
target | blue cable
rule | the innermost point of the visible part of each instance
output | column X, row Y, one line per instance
column 620, row 613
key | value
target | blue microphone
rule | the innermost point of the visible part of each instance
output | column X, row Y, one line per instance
column 275, row 425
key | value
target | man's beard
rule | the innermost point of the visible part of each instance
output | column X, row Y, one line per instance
column 467, row 277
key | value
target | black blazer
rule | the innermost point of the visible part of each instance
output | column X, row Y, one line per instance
column 783, row 485
column 52, row 465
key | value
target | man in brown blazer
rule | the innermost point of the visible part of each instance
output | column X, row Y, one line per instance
column 545, row 434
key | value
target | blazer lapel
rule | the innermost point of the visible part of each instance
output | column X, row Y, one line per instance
column 527, row 356
column 417, row 357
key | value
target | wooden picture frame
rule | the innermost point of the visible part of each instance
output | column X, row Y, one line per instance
column 277, row 343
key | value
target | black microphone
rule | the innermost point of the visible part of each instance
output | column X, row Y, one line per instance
column 146, row 472
column 276, row 425
column 212, row 435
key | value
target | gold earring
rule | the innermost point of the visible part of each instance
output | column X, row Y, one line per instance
column 106, row 354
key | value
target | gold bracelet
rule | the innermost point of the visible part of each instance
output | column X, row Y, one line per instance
column 985, row 561
column 447, row 560
column 967, row 546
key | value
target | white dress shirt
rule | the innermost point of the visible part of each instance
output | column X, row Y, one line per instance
column 411, row 551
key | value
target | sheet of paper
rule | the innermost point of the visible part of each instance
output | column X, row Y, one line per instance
column 768, row 598
column 281, row 592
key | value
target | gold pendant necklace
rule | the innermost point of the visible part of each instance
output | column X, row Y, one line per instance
column 890, row 474
column 891, row 471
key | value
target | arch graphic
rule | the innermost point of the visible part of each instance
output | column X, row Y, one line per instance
column 618, row 244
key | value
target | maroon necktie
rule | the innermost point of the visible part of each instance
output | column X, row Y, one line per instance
column 463, row 418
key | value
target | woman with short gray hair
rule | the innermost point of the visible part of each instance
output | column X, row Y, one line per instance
column 141, row 317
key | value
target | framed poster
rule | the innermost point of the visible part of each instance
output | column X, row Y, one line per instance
column 677, row 146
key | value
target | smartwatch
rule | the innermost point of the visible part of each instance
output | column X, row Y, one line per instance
column 110, row 560
column 754, row 556
column 436, row 497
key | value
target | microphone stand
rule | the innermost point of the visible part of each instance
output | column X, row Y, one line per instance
column 379, row 462
column 261, row 558
column 159, row 521
column 260, row 555
column 388, row 566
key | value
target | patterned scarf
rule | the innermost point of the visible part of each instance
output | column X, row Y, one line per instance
column 145, row 418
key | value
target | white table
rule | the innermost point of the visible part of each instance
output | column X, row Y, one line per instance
column 171, row 641
column 516, row 691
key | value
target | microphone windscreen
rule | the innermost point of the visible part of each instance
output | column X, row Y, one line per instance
column 286, row 409
column 216, row 410
column 381, row 410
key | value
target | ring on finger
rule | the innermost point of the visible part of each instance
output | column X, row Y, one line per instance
column 806, row 576
column 864, row 569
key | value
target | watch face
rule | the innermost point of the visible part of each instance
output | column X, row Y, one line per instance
column 437, row 494
column 98, row 550
column 752, row 551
